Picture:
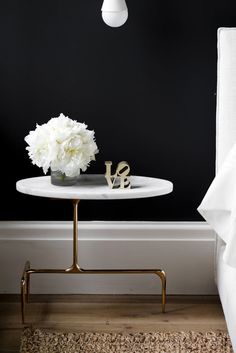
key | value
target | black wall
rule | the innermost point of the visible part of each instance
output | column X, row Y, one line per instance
column 147, row 89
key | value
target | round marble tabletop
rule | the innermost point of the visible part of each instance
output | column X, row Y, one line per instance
column 94, row 187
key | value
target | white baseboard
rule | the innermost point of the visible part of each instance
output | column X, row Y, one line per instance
column 185, row 250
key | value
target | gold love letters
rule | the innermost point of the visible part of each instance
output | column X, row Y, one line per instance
column 119, row 180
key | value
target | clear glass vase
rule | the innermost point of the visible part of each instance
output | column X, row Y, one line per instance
column 60, row 179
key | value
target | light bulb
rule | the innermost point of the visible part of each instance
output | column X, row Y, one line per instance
column 114, row 12
column 115, row 19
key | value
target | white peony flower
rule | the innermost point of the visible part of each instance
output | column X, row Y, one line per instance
column 62, row 144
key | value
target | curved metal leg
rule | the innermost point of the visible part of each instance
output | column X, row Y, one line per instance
column 162, row 276
column 75, row 269
column 25, row 286
column 23, row 292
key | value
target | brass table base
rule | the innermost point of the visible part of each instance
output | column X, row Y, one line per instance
column 75, row 269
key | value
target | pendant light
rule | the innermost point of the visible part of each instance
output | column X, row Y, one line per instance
column 114, row 12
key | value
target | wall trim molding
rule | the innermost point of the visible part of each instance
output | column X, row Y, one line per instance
column 185, row 250
column 104, row 230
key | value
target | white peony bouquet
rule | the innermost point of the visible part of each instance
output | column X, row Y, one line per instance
column 63, row 145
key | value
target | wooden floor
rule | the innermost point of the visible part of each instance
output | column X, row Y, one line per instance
column 108, row 314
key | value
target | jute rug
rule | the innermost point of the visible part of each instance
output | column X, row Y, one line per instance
column 40, row 341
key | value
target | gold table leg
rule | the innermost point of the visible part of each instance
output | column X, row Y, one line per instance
column 75, row 269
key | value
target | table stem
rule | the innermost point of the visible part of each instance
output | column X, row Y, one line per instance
column 75, row 234
column 74, row 268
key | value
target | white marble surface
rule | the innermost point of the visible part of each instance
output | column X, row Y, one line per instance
column 94, row 187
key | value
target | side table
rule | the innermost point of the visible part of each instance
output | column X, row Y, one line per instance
column 89, row 187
